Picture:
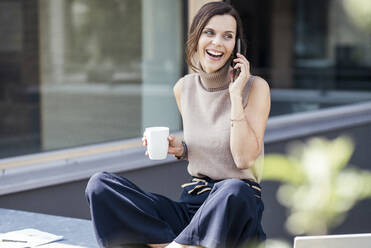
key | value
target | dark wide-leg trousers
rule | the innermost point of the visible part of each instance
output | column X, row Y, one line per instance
column 209, row 213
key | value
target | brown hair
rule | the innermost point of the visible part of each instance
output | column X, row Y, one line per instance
column 202, row 17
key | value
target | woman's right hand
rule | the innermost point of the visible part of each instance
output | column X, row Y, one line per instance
column 144, row 142
column 175, row 145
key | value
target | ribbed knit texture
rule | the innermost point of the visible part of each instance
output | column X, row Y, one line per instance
column 215, row 81
column 206, row 108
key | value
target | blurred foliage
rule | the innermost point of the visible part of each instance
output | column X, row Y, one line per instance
column 316, row 187
column 359, row 12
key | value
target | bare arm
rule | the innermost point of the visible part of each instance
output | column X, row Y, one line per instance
column 247, row 135
column 175, row 145
column 177, row 92
column 248, row 125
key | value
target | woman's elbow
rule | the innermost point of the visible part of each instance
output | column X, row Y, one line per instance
column 243, row 162
column 247, row 160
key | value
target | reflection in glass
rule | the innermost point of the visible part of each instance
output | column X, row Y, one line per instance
column 92, row 84
column 73, row 72
column 91, row 74
column 332, row 57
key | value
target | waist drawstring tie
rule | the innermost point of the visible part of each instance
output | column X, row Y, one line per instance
column 199, row 183
column 202, row 185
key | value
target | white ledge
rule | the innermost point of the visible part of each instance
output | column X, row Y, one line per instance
column 310, row 123
column 34, row 171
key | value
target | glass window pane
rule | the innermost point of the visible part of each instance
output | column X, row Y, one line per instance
column 314, row 54
column 76, row 72
column 111, row 57
column 332, row 52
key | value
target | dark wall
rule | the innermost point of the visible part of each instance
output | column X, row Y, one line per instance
column 69, row 199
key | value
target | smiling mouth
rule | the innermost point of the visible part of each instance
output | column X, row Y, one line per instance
column 214, row 54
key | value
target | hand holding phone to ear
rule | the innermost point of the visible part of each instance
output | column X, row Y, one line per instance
column 241, row 72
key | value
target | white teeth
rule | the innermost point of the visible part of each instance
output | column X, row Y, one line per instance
column 215, row 53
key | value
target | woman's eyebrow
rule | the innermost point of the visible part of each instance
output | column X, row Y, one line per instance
column 228, row 31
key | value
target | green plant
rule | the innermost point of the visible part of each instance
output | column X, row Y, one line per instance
column 316, row 187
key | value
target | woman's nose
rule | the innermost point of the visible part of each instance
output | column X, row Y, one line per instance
column 216, row 41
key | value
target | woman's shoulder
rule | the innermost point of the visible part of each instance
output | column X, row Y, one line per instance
column 178, row 86
column 259, row 82
column 191, row 76
column 186, row 78
column 256, row 87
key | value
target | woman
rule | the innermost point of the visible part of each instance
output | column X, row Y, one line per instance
column 224, row 124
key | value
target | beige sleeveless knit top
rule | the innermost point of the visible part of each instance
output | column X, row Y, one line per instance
column 206, row 108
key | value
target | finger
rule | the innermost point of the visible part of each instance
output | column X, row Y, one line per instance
column 238, row 60
column 146, row 153
column 242, row 67
column 244, row 59
column 172, row 150
column 238, row 65
column 239, row 55
column 241, row 60
column 243, row 63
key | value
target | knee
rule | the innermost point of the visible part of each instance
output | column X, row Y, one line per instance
column 235, row 194
column 96, row 184
column 234, row 187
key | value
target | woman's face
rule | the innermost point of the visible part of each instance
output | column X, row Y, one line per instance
column 216, row 42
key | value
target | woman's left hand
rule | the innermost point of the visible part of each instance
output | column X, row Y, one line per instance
column 236, row 87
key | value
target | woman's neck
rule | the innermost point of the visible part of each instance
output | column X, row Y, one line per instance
column 214, row 81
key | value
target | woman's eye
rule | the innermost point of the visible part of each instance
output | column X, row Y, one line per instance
column 228, row 36
column 209, row 32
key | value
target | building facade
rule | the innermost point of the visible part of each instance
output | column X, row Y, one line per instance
column 81, row 79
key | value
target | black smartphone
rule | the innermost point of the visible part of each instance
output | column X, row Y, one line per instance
column 236, row 72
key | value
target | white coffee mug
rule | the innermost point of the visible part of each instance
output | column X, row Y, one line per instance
column 157, row 142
